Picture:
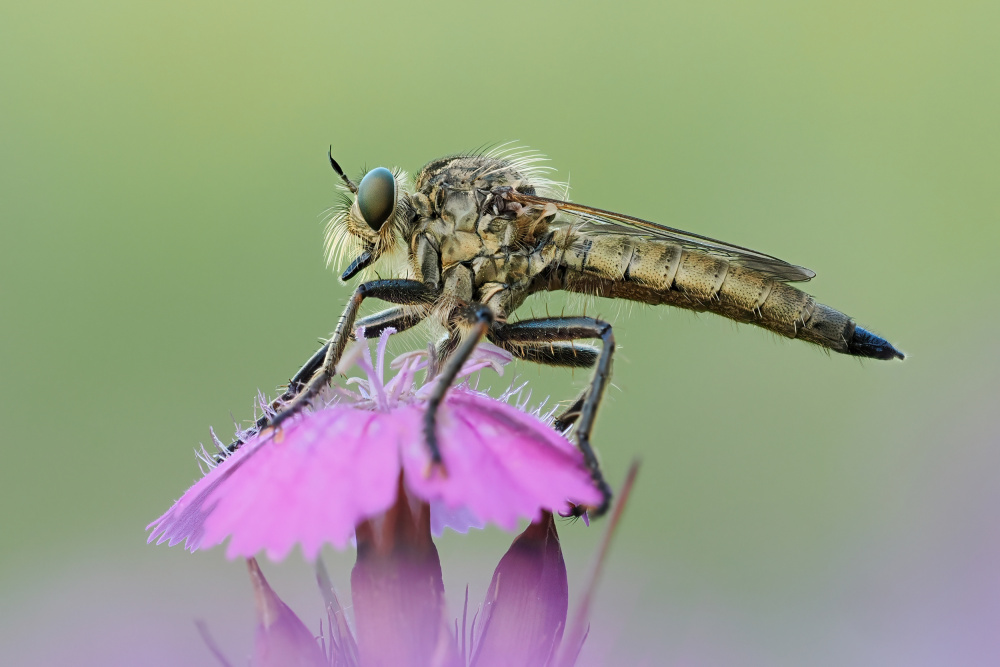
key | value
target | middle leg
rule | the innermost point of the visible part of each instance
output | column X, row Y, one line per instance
column 476, row 319
column 545, row 332
column 399, row 291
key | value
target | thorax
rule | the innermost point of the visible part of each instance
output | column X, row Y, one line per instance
column 452, row 204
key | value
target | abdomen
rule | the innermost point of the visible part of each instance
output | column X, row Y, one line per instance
column 657, row 272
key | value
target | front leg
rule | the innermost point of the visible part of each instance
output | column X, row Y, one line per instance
column 551, row 329
column 398, row 291
column 399, row 318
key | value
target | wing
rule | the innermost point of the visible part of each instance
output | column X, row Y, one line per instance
column 599, row 221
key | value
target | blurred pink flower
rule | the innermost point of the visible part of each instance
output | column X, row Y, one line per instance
column 397, row 591
column 399, row 609
column 333, row 467
column 524, row 613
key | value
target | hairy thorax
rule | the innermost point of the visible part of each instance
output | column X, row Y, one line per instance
column 475, row 245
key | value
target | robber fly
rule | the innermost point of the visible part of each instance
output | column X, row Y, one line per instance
column 482, row 232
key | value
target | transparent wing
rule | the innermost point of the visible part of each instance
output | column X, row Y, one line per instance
column 598, row 221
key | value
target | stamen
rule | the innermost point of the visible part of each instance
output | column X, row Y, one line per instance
column 400, row 382
column 375, row 385
column 383, row 342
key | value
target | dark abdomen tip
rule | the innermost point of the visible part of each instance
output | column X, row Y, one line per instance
column 866, row 344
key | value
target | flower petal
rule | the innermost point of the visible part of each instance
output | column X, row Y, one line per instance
column 501, row 464
column 328, row 470
column 311, row 483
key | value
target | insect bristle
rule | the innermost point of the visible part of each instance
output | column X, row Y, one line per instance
column 528, row 162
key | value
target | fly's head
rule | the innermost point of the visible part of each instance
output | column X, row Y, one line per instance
column 370, row 222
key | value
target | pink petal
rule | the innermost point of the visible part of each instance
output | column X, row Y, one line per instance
column 327, row 471
column 459, row 519
column 501, row 464
column 312, row 484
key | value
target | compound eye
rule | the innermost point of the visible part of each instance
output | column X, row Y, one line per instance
column 377, row 197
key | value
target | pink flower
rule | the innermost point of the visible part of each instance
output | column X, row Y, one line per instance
column 356, row 467
column 397, row 591
column 339, row 465
column 399, row 609
column 525, row 609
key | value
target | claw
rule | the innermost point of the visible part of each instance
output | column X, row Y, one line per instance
column 269, row 431
column 435, row 467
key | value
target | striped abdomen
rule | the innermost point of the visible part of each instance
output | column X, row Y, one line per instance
column 657, row 272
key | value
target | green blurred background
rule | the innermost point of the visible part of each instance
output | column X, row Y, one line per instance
column 164, row 171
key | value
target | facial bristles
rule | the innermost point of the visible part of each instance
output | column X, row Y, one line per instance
column 341, row 247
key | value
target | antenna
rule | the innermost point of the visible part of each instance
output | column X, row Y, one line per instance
column 340, row 172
